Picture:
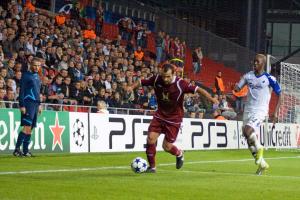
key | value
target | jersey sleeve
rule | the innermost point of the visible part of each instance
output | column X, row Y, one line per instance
column 242, row 82
column 187, row 87
column 149, row 81
column 274, row 84
column 22, row 91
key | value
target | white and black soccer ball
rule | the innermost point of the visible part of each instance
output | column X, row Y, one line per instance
column 78, row 132
column 139, row 165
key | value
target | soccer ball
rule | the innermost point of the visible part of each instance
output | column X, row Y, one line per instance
column 78, row 132
column 139, row 165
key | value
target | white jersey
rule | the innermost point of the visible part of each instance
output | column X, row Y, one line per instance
column 259, row 94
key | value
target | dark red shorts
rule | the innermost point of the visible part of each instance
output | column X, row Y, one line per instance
column 170, row 130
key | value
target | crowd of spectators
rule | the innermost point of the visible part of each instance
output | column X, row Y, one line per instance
column 79, row 67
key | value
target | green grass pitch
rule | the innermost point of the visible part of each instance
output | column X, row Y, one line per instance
column 227, row 174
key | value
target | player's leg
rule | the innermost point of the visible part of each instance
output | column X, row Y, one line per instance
column 252, row 124
column 151, row 150
column 31, row 119
column 171, row 132
column 26, row 122
column 154, row 131
column 27, row 130
column 253, row 143
column 249, row 125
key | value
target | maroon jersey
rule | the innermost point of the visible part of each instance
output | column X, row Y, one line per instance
column 169, row 97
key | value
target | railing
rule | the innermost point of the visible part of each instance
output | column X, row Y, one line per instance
column 81, row 108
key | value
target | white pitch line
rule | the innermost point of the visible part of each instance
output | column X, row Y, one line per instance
column 229, row 161
column 164, row 164
column 234, row 174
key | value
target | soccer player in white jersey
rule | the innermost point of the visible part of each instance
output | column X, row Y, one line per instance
column 260, row 86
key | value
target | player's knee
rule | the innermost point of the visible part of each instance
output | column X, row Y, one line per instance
column 151, row 139
column 248, row 130
column 27, row 130
column 167, row 146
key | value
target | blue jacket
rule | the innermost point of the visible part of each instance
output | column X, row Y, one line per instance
column 29, row 88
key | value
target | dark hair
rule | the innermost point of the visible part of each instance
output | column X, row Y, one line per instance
column 166, row 67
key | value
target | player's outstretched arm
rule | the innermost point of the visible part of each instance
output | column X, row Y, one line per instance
column 207, row 95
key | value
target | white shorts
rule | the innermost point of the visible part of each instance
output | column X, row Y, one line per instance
column 253, row 119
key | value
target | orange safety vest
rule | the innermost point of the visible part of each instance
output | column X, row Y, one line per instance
column 89, row 34
column 220, row 117
column 243, row 92
column 60, row 19
column 139, row 55
column 30, row 6
column 220, row 84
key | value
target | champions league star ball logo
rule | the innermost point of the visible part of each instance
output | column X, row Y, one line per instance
column 78, row 132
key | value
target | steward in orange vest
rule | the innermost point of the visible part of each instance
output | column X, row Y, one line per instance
column 89, row 33
column 60, row 19
column 29, row 6
column 139, row 54
column 219, row 85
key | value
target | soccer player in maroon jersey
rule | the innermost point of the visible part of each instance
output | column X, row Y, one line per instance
column 169, row 91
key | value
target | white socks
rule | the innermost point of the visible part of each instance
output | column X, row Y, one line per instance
column 253, row 141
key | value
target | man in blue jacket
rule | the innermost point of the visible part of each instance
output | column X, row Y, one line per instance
column 29, row 102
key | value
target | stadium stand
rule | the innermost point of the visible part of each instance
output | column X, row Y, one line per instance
column 99, row 66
